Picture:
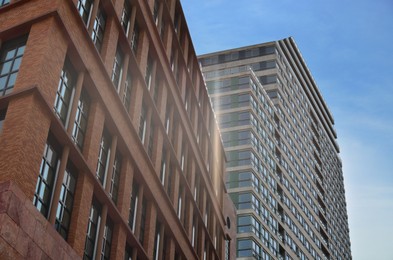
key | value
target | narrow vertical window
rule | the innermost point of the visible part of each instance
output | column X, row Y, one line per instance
column 46, row 179
column 155, row 11
column 84, row 9
column 135, row 38
column 163, row 167
column 148, row 75
column 115, row 177
column 92, row 231
column 127, row 92
column 128, row 252
column 11, row 54
column 125, row 17
column 97, row 34
column 66, row 201
column 2, row 118
column 157, row 241
column 143, row 221
column 142, row 123
column 103, row 157
column 168, row 118
column 4, row 2
column 133, row 206
column 151, row 139
column 193, row 231
column 107, row 241
column 65, row 91
column 179, row 203
column 80, row 123
column 117, row 69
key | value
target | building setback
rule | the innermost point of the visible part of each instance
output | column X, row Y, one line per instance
column 284, row 173
column 109, row 147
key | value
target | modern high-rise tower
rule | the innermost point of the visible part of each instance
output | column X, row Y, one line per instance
column 284, row 173
column 109, row 148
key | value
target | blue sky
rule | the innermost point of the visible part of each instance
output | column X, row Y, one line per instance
column 348, row 47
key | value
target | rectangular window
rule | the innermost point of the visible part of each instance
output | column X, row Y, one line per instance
column 127, row 92
column 179, row 203
column 142, row 123
column 151, row 139
column 128, row 252
column 135, row 38
column 4, row 2
column 155, row 11
column 117, row 69
column 133, row 206
column 103, row 157
column 143, row 222
column 126, row 16
column 84, row 9
column 65, row 92
column 163, row 167
column 115, row 177
column 149, row 70
column 80, row 123
column 107, row 241
column 46, row 178
column 66, row 201
column 97, row 34
column 92, row 231
column 157, row 240
column 2, row 118
column 11, row 54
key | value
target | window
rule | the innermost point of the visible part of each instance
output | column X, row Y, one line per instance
column 92, row 231
column 65, row 92
column 149, row 70
column 142, row 123
column 4, row 2
column 107, row 241
column 126, row 16
column 155, row 11
column 135, row 38
column 193, row 231
column 117, row 69
column 179, row 203
column 11, row 54
column 66, row 201
column 133, row 206
column 128, row 252
column 115, row 177
column 143, row 222
column 84, row 9
column 46, row 178
column 157, row 238
column 97, row 34
column 151, row 139
column 127, row 92
column 103, row 157
column 163, row 167
column 80, row 124
column 2, row 117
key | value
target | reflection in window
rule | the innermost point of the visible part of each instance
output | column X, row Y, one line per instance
column 84, row 9
column 46, row 179
column 64, row 92
column 66, row 201
column 80, row 124
column 97, row 34
column 11, row 54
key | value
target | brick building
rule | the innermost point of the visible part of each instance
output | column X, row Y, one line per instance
column 109, row 148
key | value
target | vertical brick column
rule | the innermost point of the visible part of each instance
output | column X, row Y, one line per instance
column 109, row 46
column 150, row 229
column 126, row 177
column 118, row 242
column 22, row 142
column 43, row 60
column 95, row 127
column 80, row 214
